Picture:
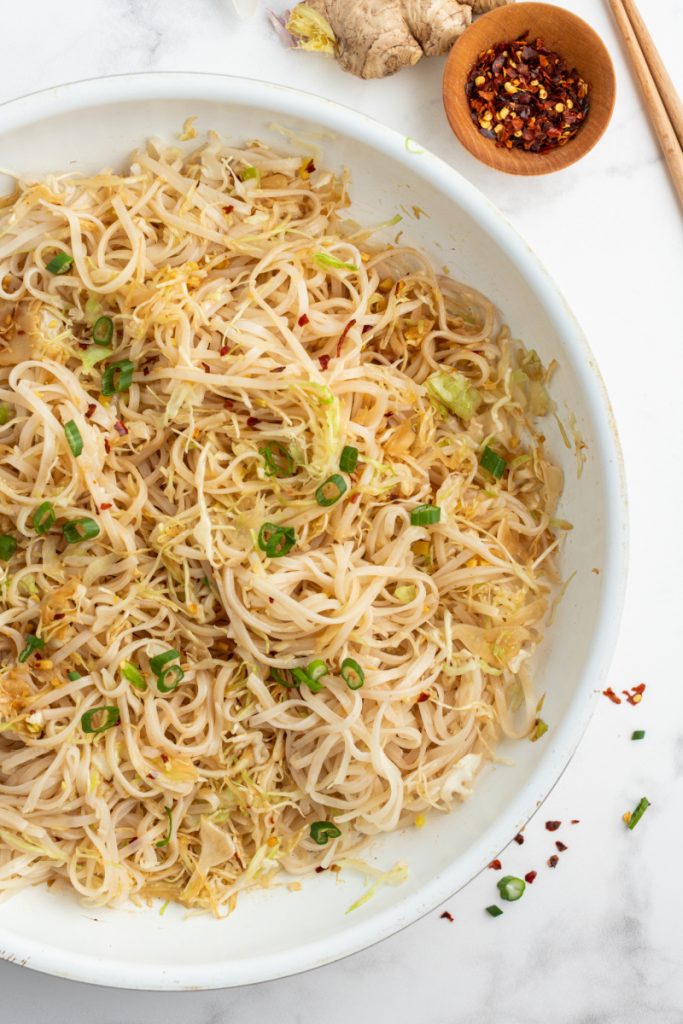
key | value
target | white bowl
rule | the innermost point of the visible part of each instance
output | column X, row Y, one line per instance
column 90, row 124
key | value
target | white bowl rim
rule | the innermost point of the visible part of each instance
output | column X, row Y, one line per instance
column 139, row 86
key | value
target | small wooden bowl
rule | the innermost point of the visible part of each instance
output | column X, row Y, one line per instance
column 561, row 31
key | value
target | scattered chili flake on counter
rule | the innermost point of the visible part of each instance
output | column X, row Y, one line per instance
column 552, row 826
column 447, row 915
column 561, row 846
column 575, row 821
column 524, row 96
column 530, row 877
column 611, row 695
column 635, row 694
column 519, row 838
column 495, row 865
column 553, row 861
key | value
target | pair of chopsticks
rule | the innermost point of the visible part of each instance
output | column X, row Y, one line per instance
column 661, row 100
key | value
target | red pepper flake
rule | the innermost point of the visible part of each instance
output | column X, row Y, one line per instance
column 107, row 446
column 145, row 371
column 447, row 916
column 206, row 367
column 105, row 506
column 319, row 869
column 164, row 758
column 354, row 497
column 224, row 350
column 524, row 96
column 252, row 421
column 575, row 821
column 83, row 344
column 120, row 429
column 59, row 615
column 324, row 362
column 530, row 877
column 228, row 209
column 553, row 861
column 228, row 403
column 552, row 826
column 90, row 410
column 611, row 695
column 303, row 320
column 422, row 698
column 343, row 335
column 519, row 838
column 561, row 846
column 495, row 865
column 635, row 694
column 310, row 166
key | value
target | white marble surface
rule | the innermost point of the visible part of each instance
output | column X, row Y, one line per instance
column 600, row 939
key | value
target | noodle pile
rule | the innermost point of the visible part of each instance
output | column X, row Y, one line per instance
column 266, row 333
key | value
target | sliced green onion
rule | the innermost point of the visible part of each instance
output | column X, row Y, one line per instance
column 8, row 546
column 352, row 674
column 639, row 734
column 275, row 540
column 73, row 437
column 348, row 459
column 73, row 676
column 133, row 675
column 643, row 805
column 167, row 838
column 60, row 263
column 111, row 717
column 317, row 669
column 117, row 377
column 494, row 911
column 321, row 831
column 78, row 530
column 103, row 330
column 455, row 392
column 511, row 888
column 278, row 460
column 425, row 515
column 491, row 461
column 331, row 490
column 302, row 678
column 170, row 679
column 5, row 413
column 283, row 678
column 159, row 661
column 33, row 643
column 323, row 259
column 44, row 517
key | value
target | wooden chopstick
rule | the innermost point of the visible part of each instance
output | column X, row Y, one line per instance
column 665, row 87
column 657, row 111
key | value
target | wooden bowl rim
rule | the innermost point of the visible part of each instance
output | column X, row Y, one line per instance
column 518, row 161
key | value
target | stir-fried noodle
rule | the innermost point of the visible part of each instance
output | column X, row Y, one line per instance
column 283, row 664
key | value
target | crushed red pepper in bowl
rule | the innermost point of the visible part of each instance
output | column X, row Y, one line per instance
column 524, row 96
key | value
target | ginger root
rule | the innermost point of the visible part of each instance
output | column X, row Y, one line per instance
column 375, row 38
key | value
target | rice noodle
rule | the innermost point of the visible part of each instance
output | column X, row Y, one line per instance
column 252, row 317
